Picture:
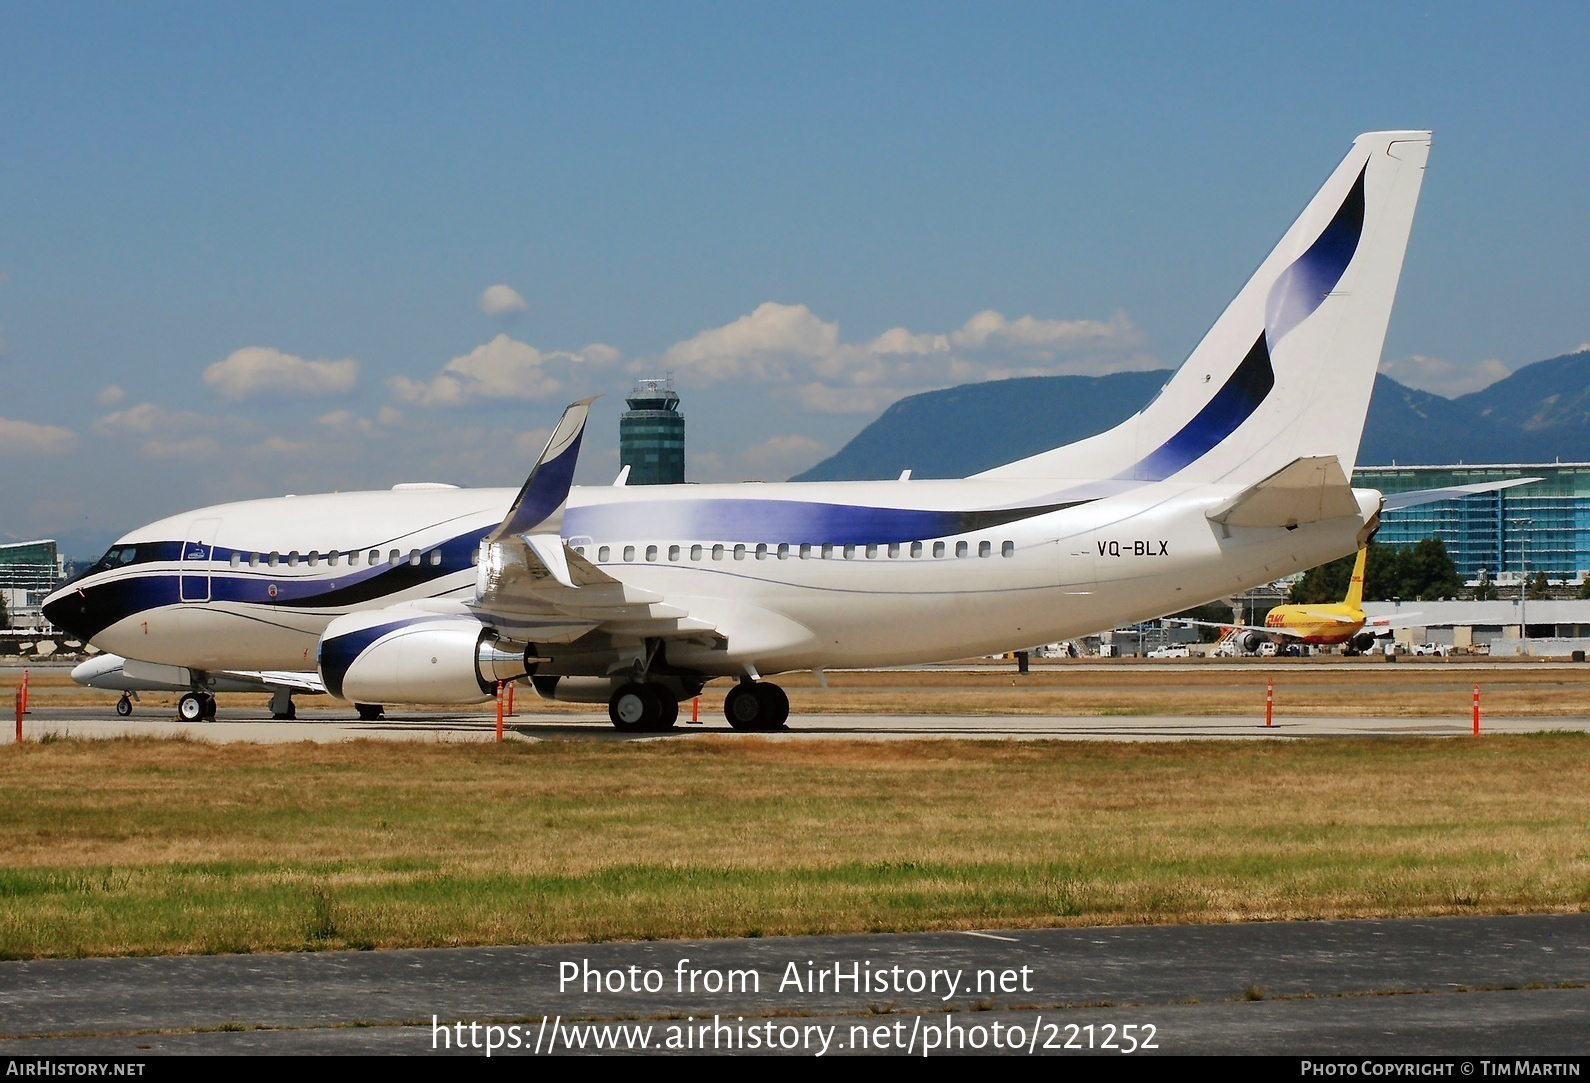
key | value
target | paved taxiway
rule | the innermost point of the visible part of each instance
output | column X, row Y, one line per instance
column 1446, row 986
column 246, row 724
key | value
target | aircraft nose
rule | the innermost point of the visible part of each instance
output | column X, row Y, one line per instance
column 65, row 609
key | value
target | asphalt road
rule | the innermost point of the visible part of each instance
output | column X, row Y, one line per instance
column 1449, row 987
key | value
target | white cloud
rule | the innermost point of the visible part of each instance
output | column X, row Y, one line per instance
column 110, row 395
column 501, row 300
column 146, row 418
column 31, row 438
column 259, row 370
column 778, row 457
column 766, row 344
column 503, row 368
column 789, row 344
column 198, row 447
column 1448, row 378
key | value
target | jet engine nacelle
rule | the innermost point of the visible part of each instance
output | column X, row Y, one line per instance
column 400, row 656
column 1364, row 641
column 1250, row 641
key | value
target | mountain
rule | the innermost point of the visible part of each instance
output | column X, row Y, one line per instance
column 1541, row 413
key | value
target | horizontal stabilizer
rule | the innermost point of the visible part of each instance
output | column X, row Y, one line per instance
column 1394, row 501
column 1305, row 491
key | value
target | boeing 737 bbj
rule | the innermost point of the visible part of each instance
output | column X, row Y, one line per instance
column 1235, row 475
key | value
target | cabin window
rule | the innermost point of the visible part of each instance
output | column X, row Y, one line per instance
column 374, row 558
column 236, row 559
column 894, row 550
column 739, row 552
column 253, row 560
column 436, row 557
column 916, row 549
column 828, row 551
column 292, row 559
column 314, row 558
column 651, row 552
column 580, row 549
column 872, row 552
column 695, row 552
column 850, row 552
column 604, row 554
column 806, row 551
column 1007, row 549
column 783, row 551
column 395, row 557
column 961, row 549
column 985, row 549
column 673, row 552
column 274, row 559
column 761, row 550
column 331, row 559
column 717, row 552
column 938, row 549
column 629, row 552
column 474, row 556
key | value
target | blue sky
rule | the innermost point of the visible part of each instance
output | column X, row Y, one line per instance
column 247, row 250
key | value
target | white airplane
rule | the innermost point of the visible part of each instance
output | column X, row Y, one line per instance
column 130, row 677
column 1235, row 474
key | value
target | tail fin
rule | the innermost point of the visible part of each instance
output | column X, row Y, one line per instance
column 1355, row 585
column 1287, row 369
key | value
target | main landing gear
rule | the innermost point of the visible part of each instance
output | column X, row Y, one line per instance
column 639, row 707
column 193, row 707
column 370, row 712
column 282, row 709
column 757, row 706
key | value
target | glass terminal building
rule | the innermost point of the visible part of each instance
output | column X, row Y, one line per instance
column 651, row 435
column 1544, row 526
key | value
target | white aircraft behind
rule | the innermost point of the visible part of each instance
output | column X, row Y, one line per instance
column 1235, row 475
column 130, row 677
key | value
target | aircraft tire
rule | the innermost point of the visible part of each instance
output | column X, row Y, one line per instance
column 209, row 707
column 635, row 708
column 756, row 707
column 190, row 708
column 370, row 712
column 124, row 706
column 668, row 713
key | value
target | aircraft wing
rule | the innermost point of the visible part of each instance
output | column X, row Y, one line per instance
column 534, row 587
column 272, row 679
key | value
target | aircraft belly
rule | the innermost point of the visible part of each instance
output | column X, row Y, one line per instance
column 216, row 636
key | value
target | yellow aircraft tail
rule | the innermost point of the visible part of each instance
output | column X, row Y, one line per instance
column 1355, row 586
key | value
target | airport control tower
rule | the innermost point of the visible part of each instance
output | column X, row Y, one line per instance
column 651, row 434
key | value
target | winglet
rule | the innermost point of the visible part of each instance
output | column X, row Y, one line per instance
column 539, row 505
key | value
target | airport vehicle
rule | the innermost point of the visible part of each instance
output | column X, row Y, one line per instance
column 1234, row 475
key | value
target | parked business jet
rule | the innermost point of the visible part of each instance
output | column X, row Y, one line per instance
column 130, row 677
column 1236, row 474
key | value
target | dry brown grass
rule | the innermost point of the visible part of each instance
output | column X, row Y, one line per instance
column 150, row 846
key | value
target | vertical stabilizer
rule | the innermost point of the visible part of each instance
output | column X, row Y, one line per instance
column 1355, row 585
column 1287, row 370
